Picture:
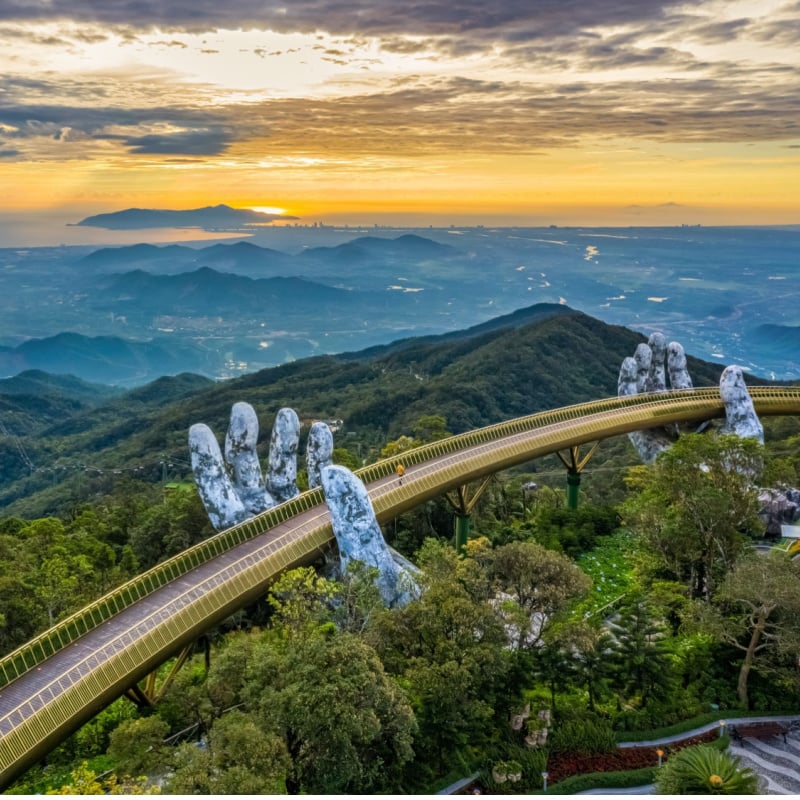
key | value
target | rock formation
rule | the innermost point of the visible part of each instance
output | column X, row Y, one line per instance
column 779, row 506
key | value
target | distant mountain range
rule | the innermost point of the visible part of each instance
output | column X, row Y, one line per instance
column 206, row 292
column 231, row 308
column 210, row 218
column 102, row 359
column 340, row 264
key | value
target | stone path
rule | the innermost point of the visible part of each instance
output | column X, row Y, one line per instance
column 777, row 763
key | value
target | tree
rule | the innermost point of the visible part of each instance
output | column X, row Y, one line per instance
column 346, row 726
column 430, row 428
column 85, row 781
column 540, row 582
column 137, row 745
column 592, row 653
column 301, row 599
column 757, row 610
column 238, row 758
column 61, row 582
column 695, row 505
column 448, row 650
column 642, row 665
column 343, row 722
column 343, row 456
column 705, row 770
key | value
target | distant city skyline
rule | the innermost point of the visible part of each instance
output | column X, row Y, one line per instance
column 636, row 112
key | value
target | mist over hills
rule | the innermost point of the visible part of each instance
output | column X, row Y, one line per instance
column 231, row 308
column 105, row 359
column 540, row 357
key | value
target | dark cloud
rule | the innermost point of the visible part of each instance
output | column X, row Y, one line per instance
column 434, row 17
column 197, row 143
column 9, row 153
column 421, row 115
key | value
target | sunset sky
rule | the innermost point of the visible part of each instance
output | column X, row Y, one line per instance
column 443, row 111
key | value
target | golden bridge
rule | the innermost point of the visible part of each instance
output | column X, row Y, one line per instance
column 56, row 682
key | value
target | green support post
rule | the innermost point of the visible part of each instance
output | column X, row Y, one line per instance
column 575, row 465
column 573, row 489
column 462, row 524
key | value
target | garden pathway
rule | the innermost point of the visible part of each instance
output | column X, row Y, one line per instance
column 778, row 764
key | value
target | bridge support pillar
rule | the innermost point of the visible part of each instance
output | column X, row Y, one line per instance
column 148, row 695
column 575, row 463
column 573, row 489
column 463, row 504
column 462, row 526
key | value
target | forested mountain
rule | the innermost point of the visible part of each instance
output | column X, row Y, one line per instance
column 541, row 357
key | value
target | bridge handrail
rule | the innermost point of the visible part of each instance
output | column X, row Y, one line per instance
column 706, row 402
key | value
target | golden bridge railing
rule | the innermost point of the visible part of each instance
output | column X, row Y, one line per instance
column 697, row 403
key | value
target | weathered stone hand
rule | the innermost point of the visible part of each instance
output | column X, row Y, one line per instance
column 233, row 489
column 645, row 373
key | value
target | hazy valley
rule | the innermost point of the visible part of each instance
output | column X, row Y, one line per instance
column 137, row 312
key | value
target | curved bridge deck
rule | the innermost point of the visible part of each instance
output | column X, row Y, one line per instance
column 59, row 680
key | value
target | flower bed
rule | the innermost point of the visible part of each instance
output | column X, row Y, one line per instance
column 563, row 765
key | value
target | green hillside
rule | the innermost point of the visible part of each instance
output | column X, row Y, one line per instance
column 537, row 358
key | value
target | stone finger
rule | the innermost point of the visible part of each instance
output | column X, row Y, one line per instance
column 218, row 494
column 643, row 358
column 282, row 470
column 319, row 452
column 656, row 379
column 679, row 377
column 242, row 458
column 740, row 415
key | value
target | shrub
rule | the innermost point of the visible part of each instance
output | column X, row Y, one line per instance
column 626, row 779
column 587, row 735
column 705, row 770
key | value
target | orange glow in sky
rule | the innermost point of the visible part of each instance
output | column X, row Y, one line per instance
column 636, row 112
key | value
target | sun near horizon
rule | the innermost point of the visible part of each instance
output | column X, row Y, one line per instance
column 620, row 114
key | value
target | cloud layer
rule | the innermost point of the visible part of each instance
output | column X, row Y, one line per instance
column 251, row 82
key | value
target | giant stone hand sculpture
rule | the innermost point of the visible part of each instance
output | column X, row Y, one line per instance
column 645, row 373
column 233, row 489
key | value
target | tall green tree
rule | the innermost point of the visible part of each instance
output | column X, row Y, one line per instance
column 757, row 610
column 694, row 507
column 449, row 651
column 539, row 584
column 642, row 666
